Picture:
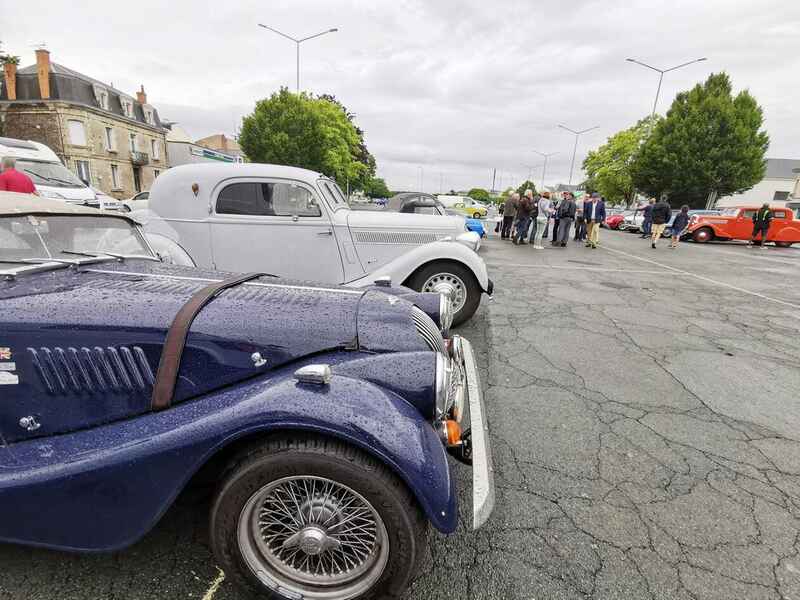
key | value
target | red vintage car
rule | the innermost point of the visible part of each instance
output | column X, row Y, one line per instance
column 737, row 224
column 613, row 221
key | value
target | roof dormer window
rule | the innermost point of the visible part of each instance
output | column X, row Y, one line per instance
column 127, row 106
column 148, row 114
column 101, row 95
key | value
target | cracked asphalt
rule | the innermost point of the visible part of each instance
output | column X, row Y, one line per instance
column 644, row 409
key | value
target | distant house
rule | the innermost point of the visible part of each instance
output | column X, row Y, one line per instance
column 222, row 143
column 779, row 184
column 111, row 140
column 181, row 150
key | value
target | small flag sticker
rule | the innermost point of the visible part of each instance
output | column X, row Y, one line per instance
column 5, row 353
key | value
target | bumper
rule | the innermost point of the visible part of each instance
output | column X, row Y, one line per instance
column 490, row 287
column 483, row 493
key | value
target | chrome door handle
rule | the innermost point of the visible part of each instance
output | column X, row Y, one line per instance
column 329, row 232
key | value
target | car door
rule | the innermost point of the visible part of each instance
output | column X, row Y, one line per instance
column 275, row 226
column 739, row 227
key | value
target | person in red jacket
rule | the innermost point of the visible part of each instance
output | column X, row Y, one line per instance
column 12, row 180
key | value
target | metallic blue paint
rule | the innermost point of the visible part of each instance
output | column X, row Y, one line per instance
column 102, row 468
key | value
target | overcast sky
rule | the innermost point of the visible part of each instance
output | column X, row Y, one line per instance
column 446, row 90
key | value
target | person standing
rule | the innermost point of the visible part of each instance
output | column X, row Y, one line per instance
column 761, row 220
column 545, row 209
column 534, row 202
column 580, row 225
column 524, row 208
column 566, row 214
column 499, row 219
column 509, row 213
column 12, row 180
column 661, row 214
column 647, row 223
column 557, row 217
column 679, row 225
column 594, row 213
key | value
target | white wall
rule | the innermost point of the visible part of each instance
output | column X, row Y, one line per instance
column 762, row 192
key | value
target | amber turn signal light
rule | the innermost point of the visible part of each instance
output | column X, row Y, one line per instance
column 453, row 430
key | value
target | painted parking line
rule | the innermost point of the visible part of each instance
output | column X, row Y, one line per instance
column 702, row 277
column 212, row 590
column 755, row 254
column 571, row 268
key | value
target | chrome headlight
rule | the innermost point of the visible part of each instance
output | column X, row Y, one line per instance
column 445, row 314
column 470, row 239
column 443, row 374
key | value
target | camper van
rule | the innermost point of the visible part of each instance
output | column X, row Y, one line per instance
column 51, row 178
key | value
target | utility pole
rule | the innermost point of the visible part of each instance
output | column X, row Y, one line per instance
column 494, row 174
column 297, row 44
column 575, row 148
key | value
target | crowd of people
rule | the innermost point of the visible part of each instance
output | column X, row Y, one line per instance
column 528, row 219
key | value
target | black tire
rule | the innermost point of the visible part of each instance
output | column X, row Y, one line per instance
column 703, row 235
column 312, row 456
column 473, row 290
column 784, row 244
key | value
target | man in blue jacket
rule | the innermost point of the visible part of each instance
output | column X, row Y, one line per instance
column 594, row 213
column 647, row 223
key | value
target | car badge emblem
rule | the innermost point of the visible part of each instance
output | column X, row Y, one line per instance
column 258, row 360
column 5, row 353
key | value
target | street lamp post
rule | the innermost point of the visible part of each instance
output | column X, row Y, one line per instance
column 661, row 76
column 575, row 148
column 297, row 43
column 544, row 169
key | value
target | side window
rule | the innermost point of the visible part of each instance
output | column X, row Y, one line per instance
column 747, row 214
column 267, row 200
column 778, row 214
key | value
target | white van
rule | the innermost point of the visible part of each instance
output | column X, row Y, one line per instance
column 463, row 204
column 51, row 178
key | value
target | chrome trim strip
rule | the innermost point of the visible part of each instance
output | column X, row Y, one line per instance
column 483, row 493
column 210, row 280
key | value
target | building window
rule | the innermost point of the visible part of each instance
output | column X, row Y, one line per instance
column 156, row 173
column 101, row 95
column 154, row 149
column 114, row 177
column 132, row 138
column 82, row 167
column 148, row 116
column 127, row 107
column 111, row 140
column 780, row 197
column 77, row 133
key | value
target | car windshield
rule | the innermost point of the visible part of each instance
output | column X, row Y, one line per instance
column 42, row 237
column 730, row 212
column 49, row 174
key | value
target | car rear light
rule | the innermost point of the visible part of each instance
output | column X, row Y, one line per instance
column 450, row 432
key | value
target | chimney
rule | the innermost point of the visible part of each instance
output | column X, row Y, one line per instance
column 10, row 71
column 141, row 97
column 43, row 71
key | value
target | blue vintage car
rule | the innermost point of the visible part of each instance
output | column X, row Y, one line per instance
column 323, row 415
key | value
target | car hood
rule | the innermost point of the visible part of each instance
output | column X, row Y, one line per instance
column 94, row 336
column 426, row 226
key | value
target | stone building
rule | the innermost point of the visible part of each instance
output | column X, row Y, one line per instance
column 112, row 141
column 181, row 150
column 222, row 143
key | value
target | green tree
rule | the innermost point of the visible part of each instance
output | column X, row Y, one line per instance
column 608, row 169
column 526, row 185
column 303, row 131
column 479, row 194
column 376, row 188
column 710, row 144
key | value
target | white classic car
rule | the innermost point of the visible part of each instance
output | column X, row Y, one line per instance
column 296, row 223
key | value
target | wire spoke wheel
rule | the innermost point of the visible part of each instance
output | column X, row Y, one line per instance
column 314, row 537
column 449, row 284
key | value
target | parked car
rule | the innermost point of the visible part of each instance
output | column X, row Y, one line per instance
column 323, row 415
column 737, row 224
column 427, row 204
column 464, row 205
column 614, row 221
column 106, row 202
column 138, row 201
column 632, row 221
column 704, row 211
column 294, row 222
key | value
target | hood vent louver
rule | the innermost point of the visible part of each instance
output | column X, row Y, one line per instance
column 93, row 370
column 428, row 330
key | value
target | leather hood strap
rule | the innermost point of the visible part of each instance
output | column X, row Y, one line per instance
column 171, row 354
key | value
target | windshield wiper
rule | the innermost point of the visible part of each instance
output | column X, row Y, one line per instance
column 103, row 254
column 56, row 179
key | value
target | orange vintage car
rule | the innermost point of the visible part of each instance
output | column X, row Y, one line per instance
column 737, row 224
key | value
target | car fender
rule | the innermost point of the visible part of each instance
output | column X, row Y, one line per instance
column 401, row 268
column 103, row 488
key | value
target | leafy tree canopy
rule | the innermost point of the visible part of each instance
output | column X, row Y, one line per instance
column 710, row 144
column 304, row 131
column 479, row 194
column 608, row 169
column 376, row 188
column 526, row 185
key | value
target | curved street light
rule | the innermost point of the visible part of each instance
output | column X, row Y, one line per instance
column 575, row 148
column 298, row 42
column 546, row 155
column 661, row 76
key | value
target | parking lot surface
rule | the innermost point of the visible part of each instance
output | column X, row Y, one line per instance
column 645, row 419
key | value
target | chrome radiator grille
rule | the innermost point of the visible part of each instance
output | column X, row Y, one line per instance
column 428, row 330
